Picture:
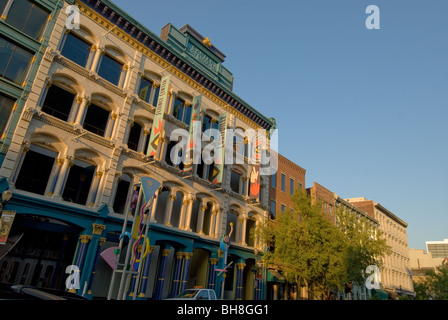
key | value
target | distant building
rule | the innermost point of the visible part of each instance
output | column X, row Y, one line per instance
column 288, row 178
column 421, row 261
column 396, row 277
column 438, row 249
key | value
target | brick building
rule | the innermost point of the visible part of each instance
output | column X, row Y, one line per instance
column 284, row 183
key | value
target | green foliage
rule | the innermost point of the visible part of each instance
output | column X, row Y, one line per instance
column 435, row 284
column 308, row 248
column 311, row 250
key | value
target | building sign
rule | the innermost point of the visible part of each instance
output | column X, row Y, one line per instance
column 157, row 126
column 6, row 225
column 194, row 134
column 199, row 55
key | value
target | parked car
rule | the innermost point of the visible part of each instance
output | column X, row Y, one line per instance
column 196, row 294
column 22, row 292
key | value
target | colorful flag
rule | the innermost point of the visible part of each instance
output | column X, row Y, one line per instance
column 194, row 134
column 158, row 122
column 218, row 167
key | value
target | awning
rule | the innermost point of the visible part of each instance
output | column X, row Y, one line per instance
column 275, row 276
column 383, row 295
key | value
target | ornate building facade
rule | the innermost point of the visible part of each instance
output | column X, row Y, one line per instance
column 79, row 149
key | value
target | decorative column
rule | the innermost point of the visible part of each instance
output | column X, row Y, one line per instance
column 110, row 126
column 185, row 270
column 154, row 206
column 169, row 207
column 63, row 174
column 243, row 223
column 80, row 253
column 89, row 289
column 94, row 188
column 191, row 200
column 212, row 273
column 161, row 275
column 177, row 274
column 183, row 211
column 54, row 176
column 145, row 274
column 201, row 216
column 239, row 280
column 82, row 110
column 91, row 256
column 99, row 52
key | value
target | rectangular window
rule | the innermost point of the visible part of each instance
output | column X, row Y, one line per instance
column 6, row 106
column 110, row 69
column 273, row 209
column 78, row 183
column 235, row 181
column 58, row 103
column 144, row 92
column 291, row 186
column 35, row 171
column 27, row 17
column 96, row 120
column 14, row 61
column 283, row 182
column 121, row 196
column 283, row 208
column 181, row 111
column 274, row 180
column 76, row 49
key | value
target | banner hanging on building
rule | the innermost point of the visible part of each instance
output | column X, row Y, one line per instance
column 6, row 225
column 218, row 167
column 158, row 123
column 194, row 134
column 254, row 177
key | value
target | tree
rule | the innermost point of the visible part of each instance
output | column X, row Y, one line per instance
column 306, row 246
column 364, row 244
column 436, row 282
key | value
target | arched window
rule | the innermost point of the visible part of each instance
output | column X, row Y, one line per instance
column 36, row 169
column 58, row 102
column 182, row 111
column 79, row 181
column 112, row 66
column 77, row 49
column 148, row 91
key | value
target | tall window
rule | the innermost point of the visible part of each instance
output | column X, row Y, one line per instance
column 274, row 180
column 148, row 91
column 291, row 186
column 76, row 49
column 273, row 209
column 181, row 111
column 58, row 102
column 6, row 105
column 96, row 119
column 78, row 182
column 121, row 195
column 27, row 17
column 110, row 69
column 134, row 136
column 35, row 170
column 14, row 61
column 235, row 181
column 283, row 182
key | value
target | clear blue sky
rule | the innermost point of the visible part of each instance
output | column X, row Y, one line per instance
column 365, row 112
